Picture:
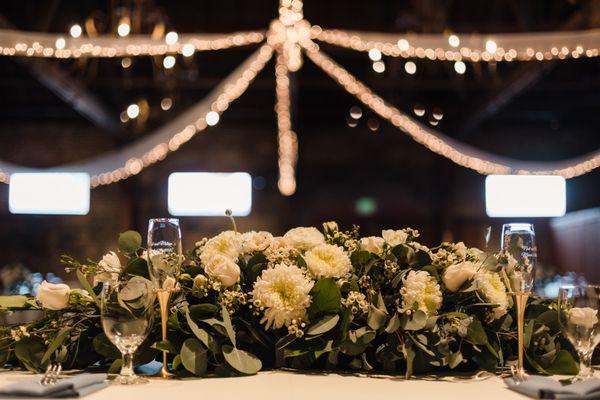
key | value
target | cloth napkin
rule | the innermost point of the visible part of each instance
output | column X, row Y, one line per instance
column 543, row 387
column 77, row 386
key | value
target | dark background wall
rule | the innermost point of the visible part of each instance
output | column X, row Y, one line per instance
column 554, row 116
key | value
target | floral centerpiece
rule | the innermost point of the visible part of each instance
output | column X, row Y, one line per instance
column 309, row 299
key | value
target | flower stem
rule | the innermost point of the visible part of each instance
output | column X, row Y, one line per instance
column 229, row 213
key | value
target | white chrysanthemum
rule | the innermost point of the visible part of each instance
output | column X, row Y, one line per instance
column 256, row 241
column 421, row 291
column 283, row 292
column 304, row 238
column 228, row 244
column 327, row 261
column 491, row 287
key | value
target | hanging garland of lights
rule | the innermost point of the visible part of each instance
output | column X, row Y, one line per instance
column 290, row 35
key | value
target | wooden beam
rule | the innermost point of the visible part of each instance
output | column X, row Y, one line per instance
column 68, row 88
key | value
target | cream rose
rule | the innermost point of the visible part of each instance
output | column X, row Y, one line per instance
column 228, row 244
column 223, row 269
column 583, row 316
column 456, row 275
column 394, row 238
column 256, row 241
column 304, row 238
column 373, row 244
column 53, row 296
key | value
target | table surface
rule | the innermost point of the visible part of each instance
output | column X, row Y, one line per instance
column 280, row 385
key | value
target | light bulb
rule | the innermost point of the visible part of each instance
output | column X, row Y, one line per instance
column 169, row 62
column 171, row 38
column 76, row 31
column 133, row 110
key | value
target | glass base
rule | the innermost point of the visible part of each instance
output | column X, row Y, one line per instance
column 129, row 380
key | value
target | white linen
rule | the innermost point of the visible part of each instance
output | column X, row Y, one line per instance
column 282, row 385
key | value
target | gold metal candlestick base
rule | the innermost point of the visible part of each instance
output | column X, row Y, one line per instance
column 163, row 301
column 520, row 304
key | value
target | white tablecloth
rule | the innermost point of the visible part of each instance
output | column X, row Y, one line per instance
column 281, row 385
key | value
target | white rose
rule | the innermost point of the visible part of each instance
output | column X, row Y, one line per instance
column 304, row 238
column 53, row 296
column 110, row 263
column 456, row 275
column 394, row 238
column 256, row 241
column 223, row 269
column 460, row 249
column 373, row 244
column 583, row 316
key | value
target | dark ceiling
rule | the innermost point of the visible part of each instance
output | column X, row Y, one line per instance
column 552, row 115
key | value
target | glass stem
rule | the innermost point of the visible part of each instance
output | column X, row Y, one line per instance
column 585, row 364
column 127, row 367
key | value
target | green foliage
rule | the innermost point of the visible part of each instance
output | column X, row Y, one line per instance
column 357, row 322
column 130, row 242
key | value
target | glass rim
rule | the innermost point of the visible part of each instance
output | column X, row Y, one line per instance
column 164, row 219
column 518, row 225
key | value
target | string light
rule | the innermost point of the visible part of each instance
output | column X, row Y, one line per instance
column 60, row 43
column 287, row 139
column 75, row 31
column 212, row 118
column 171, row 38
column 126, row 62
column 419, row 110
column 27, row 44
column 410, row 67
column 188, row 50
column 133, row 110
column 166, row 103
column 379, row 67
column 476, row 48
column 460, row 67
column 375, row 54
column 355, row 112
column 491, row 46
column 435, row 141
column 453, row 41
column 124, row 27
column 169, row 62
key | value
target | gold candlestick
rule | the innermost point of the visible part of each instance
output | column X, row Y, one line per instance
column 163, row 301
column 521, row 304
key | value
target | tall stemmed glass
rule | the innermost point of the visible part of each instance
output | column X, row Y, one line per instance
column 578, row 318
column 518, row 245
column 164, row 264
column 127, row 314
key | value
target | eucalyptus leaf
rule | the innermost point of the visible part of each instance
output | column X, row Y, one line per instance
column 324, row 325
column 476, row 334
column 105, row 348
column 193, row 356
column 376, row 317
column 202, row 334
column 14, row 302
column 86, row 285
column 130, row 242
column 393, row 324
column 242, row 361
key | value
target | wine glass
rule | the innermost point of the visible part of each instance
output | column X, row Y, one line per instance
column 578, row 318
column 164, row 266
column 127, row 314
column 518, row 246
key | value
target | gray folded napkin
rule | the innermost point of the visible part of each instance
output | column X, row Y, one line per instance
column 543, row 387
column 77, row 386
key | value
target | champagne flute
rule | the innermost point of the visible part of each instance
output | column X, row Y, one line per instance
column 518, row 246
column 127, row 314
column 578, row 319
column 164, row 264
